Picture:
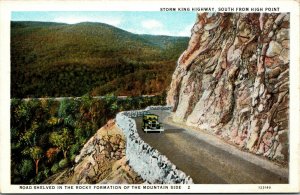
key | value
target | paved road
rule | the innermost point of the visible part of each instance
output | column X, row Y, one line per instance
column 209, row 160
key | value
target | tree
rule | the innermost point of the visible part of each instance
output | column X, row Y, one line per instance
column 36, row 153
column 29, row 136
column 22, row 114
column 62, row 140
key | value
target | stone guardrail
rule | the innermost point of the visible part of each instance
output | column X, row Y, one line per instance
column 152, row 166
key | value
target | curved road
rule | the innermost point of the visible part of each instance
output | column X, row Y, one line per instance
column 209, row 160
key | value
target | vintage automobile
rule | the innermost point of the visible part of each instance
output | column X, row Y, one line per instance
column 151, row 124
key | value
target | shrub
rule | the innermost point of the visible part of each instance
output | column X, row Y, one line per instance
column 27, row 167
column 63, row 163
column 72, row 158
column 74, row 149
column 46, row 172
column 55, row 168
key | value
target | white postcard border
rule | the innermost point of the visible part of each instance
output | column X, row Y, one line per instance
column 6, row 7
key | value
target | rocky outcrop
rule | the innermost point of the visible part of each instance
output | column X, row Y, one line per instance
column 233, row 81
column 101, row 160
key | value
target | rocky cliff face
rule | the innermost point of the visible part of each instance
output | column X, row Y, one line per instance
column 233, row 81
column 102, row 160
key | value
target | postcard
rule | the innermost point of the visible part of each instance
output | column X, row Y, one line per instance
column 149, row 96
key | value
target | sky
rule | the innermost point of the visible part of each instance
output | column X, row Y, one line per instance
column 155, row 22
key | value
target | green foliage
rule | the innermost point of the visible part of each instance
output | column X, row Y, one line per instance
column 55, row 168
column 51, row 59
column 63, row 163
column 14, row 133
column 64, row 108
column 75, row 148
column 46, row 172
column 111, row 102
column 67, row 110
column 36, row 152
column 79, row 135
column 61, row 139
column 47, row 127
column 53, row 121
column 86, row 100
column 26, row 168
column 22, row 112
column 110, row 98
column 29, row 135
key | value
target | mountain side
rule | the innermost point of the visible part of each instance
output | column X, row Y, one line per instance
column 233, row 81
column 56, row 59
column 102, row 160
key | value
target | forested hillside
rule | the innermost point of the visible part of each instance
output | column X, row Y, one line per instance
column 55, row 59
column 47, row 134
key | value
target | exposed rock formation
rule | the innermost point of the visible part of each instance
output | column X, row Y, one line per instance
column 233, row 80
column 101, row 160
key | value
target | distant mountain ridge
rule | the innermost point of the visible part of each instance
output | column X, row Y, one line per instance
column 57, row 59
